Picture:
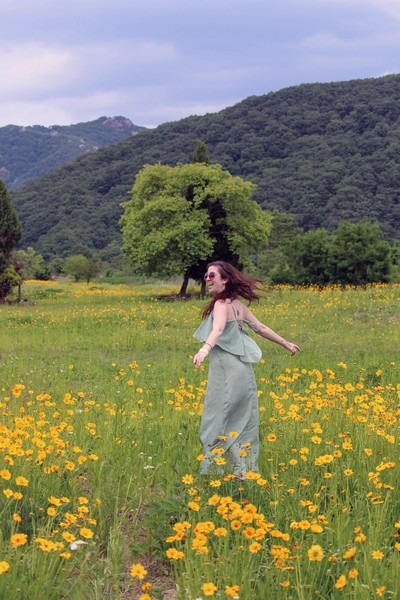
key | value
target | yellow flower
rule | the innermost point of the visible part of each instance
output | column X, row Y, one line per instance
column 51, row 511
column 23, row 481
column 66, row 555
column 220, row 532
column 285, row 583
column 174, row 554
column 233, row 434
column 348, row 472
column 4, row 566
column 271, row 437
column 377, row 554
column 86, row 532
column 18, row 539
column 255, row 547
column 137, row 570
column 353, row 573
column 315, row 553
column 194, row 506
column 188, row 479
column 380, row 590
column 350, row 552
column 209, row 589
column 144, row 597
column 232, row 590
column 5, row 474
column 215, row 483
column 341, row 582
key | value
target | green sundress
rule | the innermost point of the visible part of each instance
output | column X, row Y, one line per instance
column 230, row 421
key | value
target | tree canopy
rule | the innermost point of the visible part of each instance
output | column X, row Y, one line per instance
column 179, row 218
column 10, row 234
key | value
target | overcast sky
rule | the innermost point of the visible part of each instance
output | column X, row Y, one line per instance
column 153, row 61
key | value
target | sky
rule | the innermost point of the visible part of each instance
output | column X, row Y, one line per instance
column 155, row 61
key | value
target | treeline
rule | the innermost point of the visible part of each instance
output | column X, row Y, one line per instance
column 352, row 254
column 321, row 152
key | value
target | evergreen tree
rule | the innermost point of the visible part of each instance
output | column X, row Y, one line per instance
column 200, row 154
column 10, row 234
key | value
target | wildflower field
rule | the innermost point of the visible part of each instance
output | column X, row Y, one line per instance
column 100, row 496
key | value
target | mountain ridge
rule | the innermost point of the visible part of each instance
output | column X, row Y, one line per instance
column 323, row 152
column 28, row 152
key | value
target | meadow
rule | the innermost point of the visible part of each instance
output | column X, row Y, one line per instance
column 101, row 496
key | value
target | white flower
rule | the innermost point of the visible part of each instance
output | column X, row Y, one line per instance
column 74, row 545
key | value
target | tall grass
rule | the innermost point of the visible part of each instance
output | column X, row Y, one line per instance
column 99, row 450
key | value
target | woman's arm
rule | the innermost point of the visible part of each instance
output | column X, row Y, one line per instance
column 268, row 333
column 220, row 317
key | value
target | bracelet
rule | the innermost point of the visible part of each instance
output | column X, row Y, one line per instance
column 204, row 351
column 206, row 343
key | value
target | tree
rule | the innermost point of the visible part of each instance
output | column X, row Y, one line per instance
column 310, row 258
column 358, row 254
column 272, row 262
column 395, row 261
column 200, row 154
column 81, row 267
column 10, row 234
column 31, row 265
column 180, row 218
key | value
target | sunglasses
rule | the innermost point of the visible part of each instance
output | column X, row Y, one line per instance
column 210, row 275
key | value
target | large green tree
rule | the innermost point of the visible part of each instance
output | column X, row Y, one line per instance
column 10, row 234
column 81, row 267
column 180, row 218
column 358, row 254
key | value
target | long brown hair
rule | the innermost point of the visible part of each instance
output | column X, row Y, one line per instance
column 238, row 284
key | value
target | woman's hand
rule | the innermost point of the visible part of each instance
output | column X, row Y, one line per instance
column 200, row 356
column 293, row 348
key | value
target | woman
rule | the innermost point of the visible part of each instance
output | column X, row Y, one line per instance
column 229, row 424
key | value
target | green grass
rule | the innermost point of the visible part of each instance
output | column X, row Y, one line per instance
column 108, row 419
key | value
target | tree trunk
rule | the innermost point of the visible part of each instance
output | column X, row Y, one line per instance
column 185, row 283
column 203, row 289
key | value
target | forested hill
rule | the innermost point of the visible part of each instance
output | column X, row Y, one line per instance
column 26, row 153
column 324, row 152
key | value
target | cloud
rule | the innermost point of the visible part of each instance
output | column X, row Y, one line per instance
column 155, row 61
column 34, row 68
column 390, row 7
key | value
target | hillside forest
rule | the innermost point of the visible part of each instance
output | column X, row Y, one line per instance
column 324, row 159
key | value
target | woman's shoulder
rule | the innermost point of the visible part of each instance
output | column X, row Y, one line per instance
column 223, row 302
